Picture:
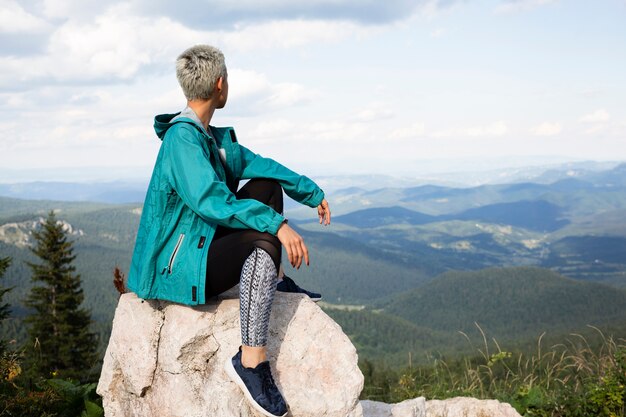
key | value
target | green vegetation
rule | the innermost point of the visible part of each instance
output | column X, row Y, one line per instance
column 47, row 397
column 416, row 313
column 59, row 342
column 5, row 309
column 386, row 338
column 31, row 394
column 345, row 271
column 570, row 379
column 516, row 304
column 511, row 302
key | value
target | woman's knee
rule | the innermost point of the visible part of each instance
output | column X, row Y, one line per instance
column 265, row 190
column 265, row 183
column 270, row 244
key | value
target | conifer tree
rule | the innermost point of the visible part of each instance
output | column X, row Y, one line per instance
column 60, row 343
column 5, row 310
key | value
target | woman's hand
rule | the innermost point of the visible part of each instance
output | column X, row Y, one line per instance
column 293, row 244
column 323, row 211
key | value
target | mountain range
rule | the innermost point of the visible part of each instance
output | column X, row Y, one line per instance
column 408, row 268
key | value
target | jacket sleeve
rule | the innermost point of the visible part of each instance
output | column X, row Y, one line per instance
column 300, row 188
column 194, row 179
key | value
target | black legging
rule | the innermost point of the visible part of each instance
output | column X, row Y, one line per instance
column 231, row 247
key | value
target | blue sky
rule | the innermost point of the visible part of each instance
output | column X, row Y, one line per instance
column 324, row 86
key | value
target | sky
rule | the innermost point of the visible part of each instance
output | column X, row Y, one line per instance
column 326, row 87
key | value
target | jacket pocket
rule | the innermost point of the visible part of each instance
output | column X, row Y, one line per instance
column 179, row 243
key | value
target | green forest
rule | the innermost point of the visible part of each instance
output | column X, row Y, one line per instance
column 468, row 299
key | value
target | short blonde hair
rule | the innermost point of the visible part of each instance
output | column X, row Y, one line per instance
column 198, row 69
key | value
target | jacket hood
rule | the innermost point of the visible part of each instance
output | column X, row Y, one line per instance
column 163, row 122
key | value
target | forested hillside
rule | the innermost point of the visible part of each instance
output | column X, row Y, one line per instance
column 420, row 277
column 511, row 305
column 510, row 302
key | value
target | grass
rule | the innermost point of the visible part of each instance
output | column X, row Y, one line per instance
column 572, row 378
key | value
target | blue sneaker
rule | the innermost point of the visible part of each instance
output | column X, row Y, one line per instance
column 287, row 285
column 257, row 385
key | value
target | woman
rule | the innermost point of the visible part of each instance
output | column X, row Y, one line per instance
column 199, row 236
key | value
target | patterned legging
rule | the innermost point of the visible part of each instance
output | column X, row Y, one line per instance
column 252, row 259
column 256, row 293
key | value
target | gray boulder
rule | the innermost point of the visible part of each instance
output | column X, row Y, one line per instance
column 165, row 359
column 452, row 407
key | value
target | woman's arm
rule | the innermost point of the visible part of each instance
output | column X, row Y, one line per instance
column 194, row 179
column 300, row 188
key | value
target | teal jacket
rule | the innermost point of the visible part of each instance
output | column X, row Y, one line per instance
column 189, row 195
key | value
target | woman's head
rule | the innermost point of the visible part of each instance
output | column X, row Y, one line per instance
column 198, row 70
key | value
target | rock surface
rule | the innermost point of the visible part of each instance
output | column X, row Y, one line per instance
column 452, row 407
column 166, row 359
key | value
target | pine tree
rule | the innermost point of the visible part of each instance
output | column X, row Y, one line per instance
column 5, row 309
column 60, row 343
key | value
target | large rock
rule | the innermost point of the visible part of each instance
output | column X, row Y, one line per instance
column 165, row 359
column 452, row 407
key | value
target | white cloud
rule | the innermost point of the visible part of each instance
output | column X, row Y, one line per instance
column 547, row 129
column 287, row 34
column 514, row 6
column 498, row 128
column 224, row 15
column 495, row 129
column 118, row 46
column 13, row 101
column 341, row 132
column 289, row 94
column 197, row 13
column 95, row 73
column 244, row 83
column 591, row 92
column 437, row 33
column 62, row 9
column 410, row 132
column 281, row 132
column 596, row 129
column 14, row 19
column 598, row 116
column 251, row 92
column 431, row 9
column 113, row 47
column 270, row 131
column 374, row 112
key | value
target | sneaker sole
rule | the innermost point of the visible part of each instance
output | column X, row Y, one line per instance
column 234, row 376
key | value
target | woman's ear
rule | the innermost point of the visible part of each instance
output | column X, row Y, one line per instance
column 219, row 85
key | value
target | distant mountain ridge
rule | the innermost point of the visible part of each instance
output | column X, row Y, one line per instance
column 133, row 189
column 533, row 215
column 116, row 192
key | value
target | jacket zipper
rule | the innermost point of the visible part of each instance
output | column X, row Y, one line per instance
column 174, row 253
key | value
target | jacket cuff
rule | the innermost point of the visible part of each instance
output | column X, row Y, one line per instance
column 315, row 199
column 275, row 224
